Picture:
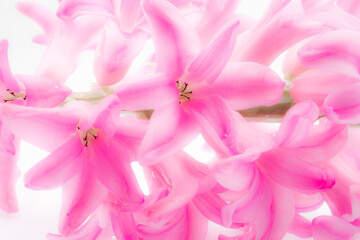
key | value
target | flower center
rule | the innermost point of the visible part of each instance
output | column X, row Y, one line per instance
column 10, row 96
column 184, row 91
column 86, row 136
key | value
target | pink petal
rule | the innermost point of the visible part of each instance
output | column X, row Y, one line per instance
column 245, row 85
column 60, row 58
column 296, row 124
column 323, row 142
column 210, row 205
column 209, row 64
column 130, row 15
column 175, row 41
column 291, row 65
column 124, row 225
column 316, row 85
column 342, row 106
column 115, row 53
column 301, row 227
column 183, row 186
column 154, row 92
column 114, row 171
column 236, row 178
column 215, row 16
column 253, row 207
column 305, row 202
column 81, row 196
column 283, row 28
column 186, row 224
column 57, row 168
column 161, row 140
column 43, row 91
column 282, row 212
column 72, row 9
column 9, row 172
column 333, row 228
column 7, row 80
column 49, row 23
column 334, row 51
column 218, row 123
column 90, row 230
column 351, row 6
column 295, row 173
column 45, row 128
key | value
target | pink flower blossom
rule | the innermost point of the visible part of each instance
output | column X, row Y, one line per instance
column 194, row 89
column 22, row 90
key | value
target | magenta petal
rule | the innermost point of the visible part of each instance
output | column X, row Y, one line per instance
column 334, row 51
column 295, row 173
column 209, row 64
column 176, row 42
column 161, row 140
column 301, row 227
column 90, row 230
column 57, row 168
column 115, row 53
column 218, row 123
column 114, row 171
column 124, row 225
column 186, row 224
column 7, row 80
column 315, row 85
column 245, row 85
column 296, row 124
column 154, row 92
column 43, row 91
column 333, row 228
column 183, row 188
column 282, row 212
column 45, row 128
column 81, row 196
column 343, row 105
column 210, row 205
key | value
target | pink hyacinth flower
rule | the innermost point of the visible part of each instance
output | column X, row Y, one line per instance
column 288, row 170
column 337, row 52
column 193, row 88
column 23, row 90
column 92, row 150
column 65, row 40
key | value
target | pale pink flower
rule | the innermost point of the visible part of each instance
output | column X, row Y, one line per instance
column 278, row 180
column 334, row 228
column 65, row 41
column 194, row 88
column 92, row 149
column 22, row 90
column 337, row 53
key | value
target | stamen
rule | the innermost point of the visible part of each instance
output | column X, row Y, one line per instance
column 184, row 92
column 86, row 136
column 11, row 96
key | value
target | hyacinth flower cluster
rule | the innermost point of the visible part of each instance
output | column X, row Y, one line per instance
column 209, row 75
